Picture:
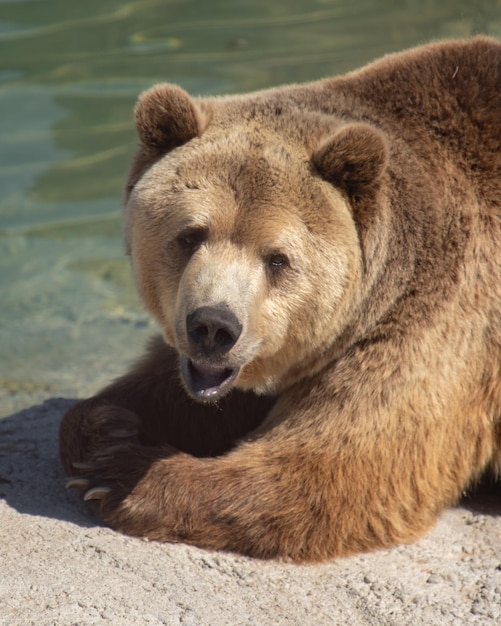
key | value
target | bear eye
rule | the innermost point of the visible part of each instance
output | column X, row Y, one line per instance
column 277, row 261
column 191, row 240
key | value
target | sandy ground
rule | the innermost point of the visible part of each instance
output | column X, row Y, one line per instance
column 59, row 566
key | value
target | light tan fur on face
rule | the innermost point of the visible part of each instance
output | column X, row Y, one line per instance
column 240, row 215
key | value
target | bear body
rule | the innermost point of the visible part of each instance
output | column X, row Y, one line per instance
column 324, row 263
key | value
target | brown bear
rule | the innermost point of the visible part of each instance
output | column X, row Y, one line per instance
column 324, row 261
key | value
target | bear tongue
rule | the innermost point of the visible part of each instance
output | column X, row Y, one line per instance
column 205, row 377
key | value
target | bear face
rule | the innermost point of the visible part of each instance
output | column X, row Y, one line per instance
column 243, row 239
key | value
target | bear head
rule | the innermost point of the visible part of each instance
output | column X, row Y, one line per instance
column 241, row 222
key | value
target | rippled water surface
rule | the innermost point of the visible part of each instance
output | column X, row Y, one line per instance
column 69, row 75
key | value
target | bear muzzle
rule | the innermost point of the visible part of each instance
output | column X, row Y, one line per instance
column 212, row 331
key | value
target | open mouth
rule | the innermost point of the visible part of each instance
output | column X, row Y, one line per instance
column 206, row 382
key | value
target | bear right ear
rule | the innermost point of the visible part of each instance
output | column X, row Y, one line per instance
column 166, row 117
column 353, row 158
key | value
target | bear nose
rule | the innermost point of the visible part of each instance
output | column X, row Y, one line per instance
column 212, row 330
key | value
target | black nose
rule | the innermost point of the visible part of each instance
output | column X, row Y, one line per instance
column 212, row 330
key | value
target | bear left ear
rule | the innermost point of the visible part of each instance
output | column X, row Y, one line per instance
column 166, row 117
column 354, row 158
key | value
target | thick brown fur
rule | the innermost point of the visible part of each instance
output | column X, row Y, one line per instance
column 352, row 228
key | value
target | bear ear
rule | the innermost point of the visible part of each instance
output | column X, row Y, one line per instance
column 166, row 117
column 354, row 158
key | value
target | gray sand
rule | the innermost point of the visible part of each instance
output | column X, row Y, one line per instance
column 59, row 566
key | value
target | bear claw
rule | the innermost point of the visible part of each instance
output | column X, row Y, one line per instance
column 77, row 483
column 107, row 453
column 82, row 465
column 123, row 433
column 97, row 493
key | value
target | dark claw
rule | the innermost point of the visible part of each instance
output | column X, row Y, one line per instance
column 107, row 453
column 123, row 433
column 82, row 465
column 131, row 417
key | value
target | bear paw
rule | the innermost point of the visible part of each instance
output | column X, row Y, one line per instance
column 111, row 474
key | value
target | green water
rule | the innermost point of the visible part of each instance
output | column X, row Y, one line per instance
column 69, row 75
